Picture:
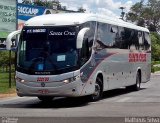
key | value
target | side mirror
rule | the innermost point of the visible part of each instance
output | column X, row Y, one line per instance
column 9, row 39
column 80, row 37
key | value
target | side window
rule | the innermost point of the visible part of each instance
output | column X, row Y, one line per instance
column 129, row 39
column 121, row 38
column 106, row 36
column 115, row 36
column 100, row 39
column 128, row 34
column 124, row 34
column 91, row 33
column 141, row 40
column 135, row 39
column 86, row 50
column 147, row 41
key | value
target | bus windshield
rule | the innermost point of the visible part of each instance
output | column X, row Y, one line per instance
column 48, row 49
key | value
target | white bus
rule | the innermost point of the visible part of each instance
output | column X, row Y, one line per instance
column 79, row 54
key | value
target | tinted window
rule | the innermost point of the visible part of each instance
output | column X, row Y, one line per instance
column 111, row 36
column 107, row 36
column 141, row 40
column 128, row 38
column 91, row 33
column 87, row 41
column 147, row 41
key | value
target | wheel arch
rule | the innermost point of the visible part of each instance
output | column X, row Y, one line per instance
column 139, row 70
column 100, row 75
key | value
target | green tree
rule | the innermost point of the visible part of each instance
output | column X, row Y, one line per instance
column 155, row 40
column 81, row 9
column 135, row 12
column 48, row 4
column 25, row 2
column 4, row 59
column 146, row 14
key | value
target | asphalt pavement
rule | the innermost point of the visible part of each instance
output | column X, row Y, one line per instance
column 118, row 105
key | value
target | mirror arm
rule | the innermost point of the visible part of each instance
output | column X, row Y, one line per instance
column 80, row 37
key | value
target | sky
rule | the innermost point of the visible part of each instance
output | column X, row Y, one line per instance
column 107, row 7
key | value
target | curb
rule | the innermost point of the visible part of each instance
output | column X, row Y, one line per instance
column 156, row 73
column 7, row 95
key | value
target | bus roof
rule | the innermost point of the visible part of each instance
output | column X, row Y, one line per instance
column 78, row 18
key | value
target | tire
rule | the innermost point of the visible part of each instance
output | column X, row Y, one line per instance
column 98, row 90
column 45, row 99
column 137, row 86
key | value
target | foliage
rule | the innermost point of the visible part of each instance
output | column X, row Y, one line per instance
column 47, row 4
column 146, row 14
column 155, row 69
column 81, row 9
column 155, row 62
column 4, row 59
column 155, row 39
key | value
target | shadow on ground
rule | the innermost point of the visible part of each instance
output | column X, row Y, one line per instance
column 65, row 102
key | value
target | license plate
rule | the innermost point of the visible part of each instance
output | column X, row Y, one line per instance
column 45, row 91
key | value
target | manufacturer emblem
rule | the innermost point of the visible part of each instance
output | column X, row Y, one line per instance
column 43, row 84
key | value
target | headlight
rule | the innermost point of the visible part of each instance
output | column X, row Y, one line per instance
column 20, row 80
column 70, row 79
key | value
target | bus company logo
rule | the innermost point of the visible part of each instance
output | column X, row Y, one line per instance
column 65, row 33
column 42, row 79
column 137, row 57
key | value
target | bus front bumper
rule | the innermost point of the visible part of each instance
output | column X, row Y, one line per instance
column 72, row 89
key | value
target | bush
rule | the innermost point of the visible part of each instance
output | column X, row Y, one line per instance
column 4, row 58
column 154, row 69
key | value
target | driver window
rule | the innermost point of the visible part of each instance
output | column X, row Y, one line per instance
column 88, row 40
column 86, row 49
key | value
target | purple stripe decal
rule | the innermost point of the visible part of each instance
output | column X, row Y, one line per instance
column 100, row 61
column 106, row 57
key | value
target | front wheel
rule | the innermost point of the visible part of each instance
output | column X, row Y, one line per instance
column 45, row 99
column 98, row 90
